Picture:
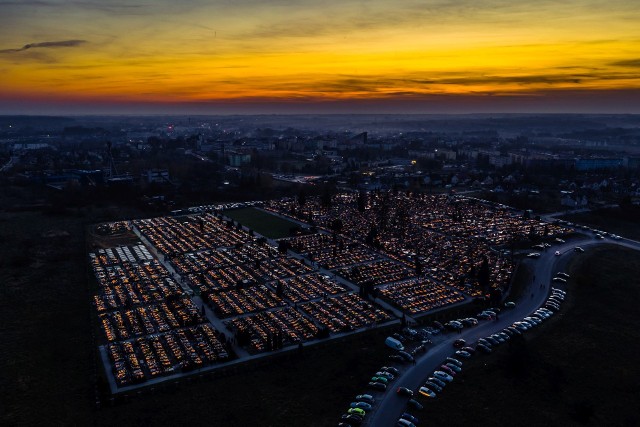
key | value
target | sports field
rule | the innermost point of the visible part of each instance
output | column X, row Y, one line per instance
column 262, row 222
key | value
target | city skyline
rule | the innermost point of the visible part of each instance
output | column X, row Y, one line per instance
column 84, row 57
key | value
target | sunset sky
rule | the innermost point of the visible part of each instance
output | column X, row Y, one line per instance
column 287, row 56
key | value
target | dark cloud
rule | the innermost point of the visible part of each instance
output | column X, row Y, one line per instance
column 63, row 43
column 633, row 63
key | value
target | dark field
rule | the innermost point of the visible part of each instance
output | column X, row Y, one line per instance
column 47, row 351
column 578, row 369
column 261, row 222
column 625, row 222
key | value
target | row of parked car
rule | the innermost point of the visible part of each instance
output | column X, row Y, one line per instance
column 552, row 305
column 451, row 366
column 445, row 374
column 363, row 403
column 433, row 386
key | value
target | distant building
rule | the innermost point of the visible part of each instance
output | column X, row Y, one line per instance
column 237, row 159
column 30, row 146
column 500, row 161
column 157, row 176
column 632, row 162
column 574, row 201
column 598, row 163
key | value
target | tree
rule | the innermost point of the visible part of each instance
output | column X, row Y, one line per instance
column 362, row 201
column 283, row 246
column 326, row 198
column 337, row 225
column 279, row 289
column 302, row 198
column 484, row 275
column 418, row 268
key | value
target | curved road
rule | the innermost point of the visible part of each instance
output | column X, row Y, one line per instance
column 390, row 406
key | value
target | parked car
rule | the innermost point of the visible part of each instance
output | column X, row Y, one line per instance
column 515, row 331
column 406, row 356
column 493, row 341
column 415, row 404
column 484, row 342
column 390, row 369
column 443, row 376
column 403, row 391
column 433, row 386
column 459, row 343
column 447, row 369
column 484, row 316
column 404, row 423
column 464, row 354
column 387, row 375
column 437, row 381
column 357, row 411
column 377, row 386
column 365, row 398
column 398, row 337
column 425, row 391
column 469, row 321
column 407, row 416
column 362, row 405
column 352, row 419
column 397, row 358
column 455, row 368
column 504, row 335
column 452, row 360
column 483, row 348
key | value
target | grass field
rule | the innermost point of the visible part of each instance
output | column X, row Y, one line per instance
column 625, row 222
column 262, row 222
column 580, row 368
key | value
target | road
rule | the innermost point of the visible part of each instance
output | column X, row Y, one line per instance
column 390, row 406
column 9, row 164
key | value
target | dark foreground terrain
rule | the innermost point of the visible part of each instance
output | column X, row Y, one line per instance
column 579, row 368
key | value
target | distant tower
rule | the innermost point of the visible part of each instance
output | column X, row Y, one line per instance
column 111, row 171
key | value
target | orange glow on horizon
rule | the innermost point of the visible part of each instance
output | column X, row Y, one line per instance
column 320, row 55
